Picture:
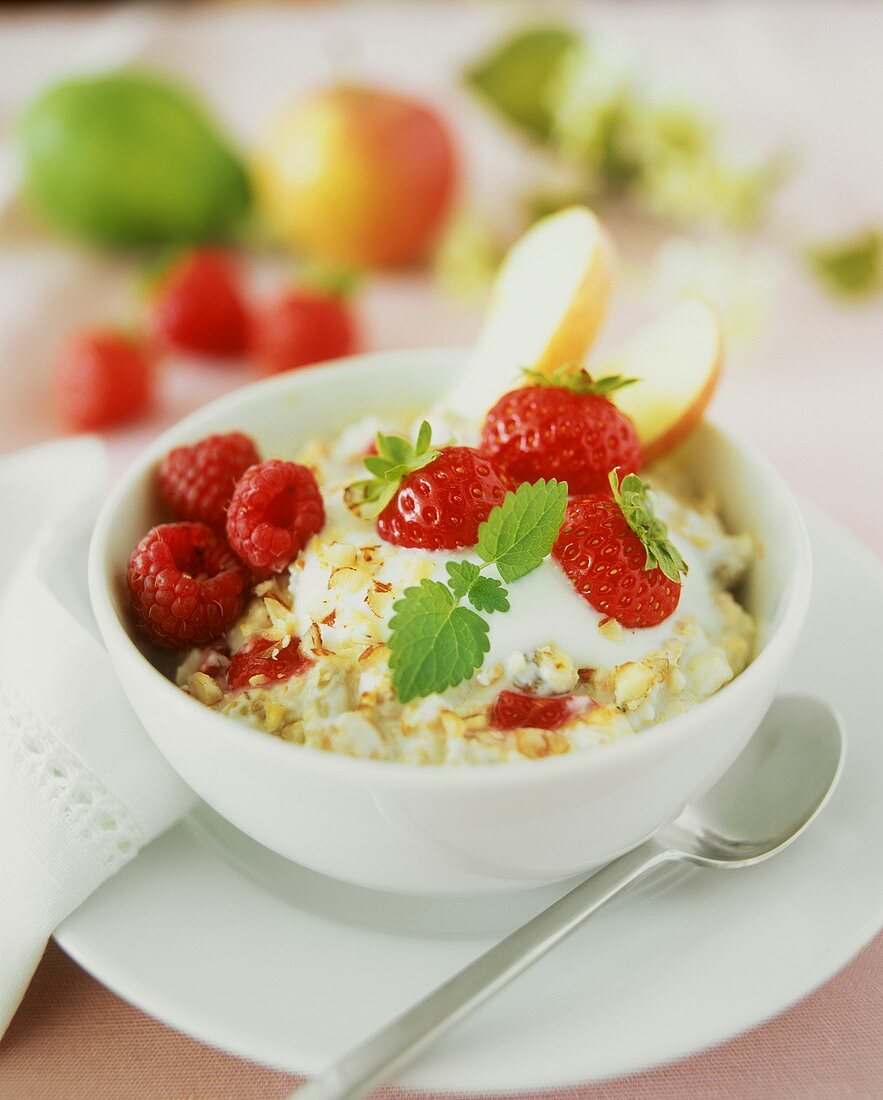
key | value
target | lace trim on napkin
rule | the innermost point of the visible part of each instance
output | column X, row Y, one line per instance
column 76, row 794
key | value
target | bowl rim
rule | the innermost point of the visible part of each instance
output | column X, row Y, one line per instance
column 664, row 736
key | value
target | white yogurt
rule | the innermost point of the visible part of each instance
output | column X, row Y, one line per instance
column 544, row 606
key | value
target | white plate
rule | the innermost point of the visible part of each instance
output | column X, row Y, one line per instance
column 221, row 939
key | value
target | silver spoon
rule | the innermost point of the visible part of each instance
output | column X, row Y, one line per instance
column 766, row 799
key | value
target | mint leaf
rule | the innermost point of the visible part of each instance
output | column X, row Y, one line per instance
column 484, row 593
column 488, row 594
column 434, row 642
column 462, row 576
column 521, row 532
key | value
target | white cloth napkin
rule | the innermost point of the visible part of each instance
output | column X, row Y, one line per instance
column 82, row 787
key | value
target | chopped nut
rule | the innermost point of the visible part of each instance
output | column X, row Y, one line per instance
column 675, row 681
column 556, row 669
column 632, row 682
column 378, row 598
column 612, row 630
column 452, row 724
column 475, row 722
column 558, row 743
column 347, row 578
column 274, row 716
column 340, row 554
column 314, row 637
column 254, row 621
column 293, row 731
column 708, row 671
column 279, row 615
column 738, row 651
column 370, row 649
column 203, row 688
column 531, row 743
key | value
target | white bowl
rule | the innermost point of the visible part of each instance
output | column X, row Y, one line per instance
column 444, row 830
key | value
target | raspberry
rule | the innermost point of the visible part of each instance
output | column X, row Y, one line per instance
column 261, row 663
column 512, row 711
column 186, row 586
column 197, row 482
column 200, row 307
column 103, row 378
column 303, row 326
column 276, row 507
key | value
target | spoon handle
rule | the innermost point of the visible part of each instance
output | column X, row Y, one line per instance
column 407, row 1035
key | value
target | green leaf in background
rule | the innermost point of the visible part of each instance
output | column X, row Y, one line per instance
column 614, row 130
column 130, row 159
column 853, row 267
column 515, row 76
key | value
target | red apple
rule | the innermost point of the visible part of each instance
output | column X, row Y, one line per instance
column 356, row 176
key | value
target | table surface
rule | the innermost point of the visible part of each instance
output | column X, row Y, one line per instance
column 809, row 393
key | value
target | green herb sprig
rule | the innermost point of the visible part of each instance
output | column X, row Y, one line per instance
column 436, row 641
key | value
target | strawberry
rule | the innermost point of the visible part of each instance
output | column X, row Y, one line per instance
column 425, row 497
column 563, row 427
column 199, row 305
column 303, row 325
column 262, row 663
column 618, row 554
column 103, row 378
column 512, row 711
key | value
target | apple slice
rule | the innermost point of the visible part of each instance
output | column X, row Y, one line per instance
column 548, row 302
column 677, row 361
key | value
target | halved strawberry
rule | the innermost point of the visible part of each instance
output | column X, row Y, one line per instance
column 618, row 554
column 262, row 662
column 512, row 710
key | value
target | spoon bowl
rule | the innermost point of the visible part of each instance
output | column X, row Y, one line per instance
column 777, row 785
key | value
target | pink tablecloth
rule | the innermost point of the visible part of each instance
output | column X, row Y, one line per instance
column 73, row 1038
